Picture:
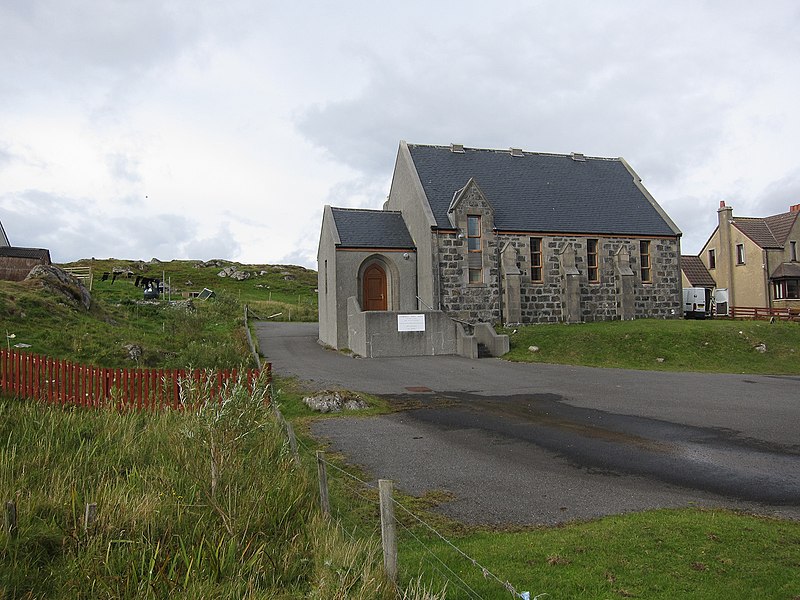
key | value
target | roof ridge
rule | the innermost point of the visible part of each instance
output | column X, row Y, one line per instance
column 524, row 152
column 380, row 210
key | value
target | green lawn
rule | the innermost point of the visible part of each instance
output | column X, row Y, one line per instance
column 721, row 346
column 667, row 554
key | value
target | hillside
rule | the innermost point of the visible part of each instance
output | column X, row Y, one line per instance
column 121, row 327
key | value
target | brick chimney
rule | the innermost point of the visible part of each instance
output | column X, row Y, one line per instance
column 794, row 208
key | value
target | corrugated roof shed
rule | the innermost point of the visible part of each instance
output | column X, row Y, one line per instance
column 696, row 272
column 541, row 192
column 360, row 228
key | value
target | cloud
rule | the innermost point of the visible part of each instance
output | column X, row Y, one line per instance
column 124, row 167
column 779, row 195
column 221, row 245
column 222, row 129
column 74, row 229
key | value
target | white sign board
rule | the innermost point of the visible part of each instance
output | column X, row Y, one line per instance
column 410, row 322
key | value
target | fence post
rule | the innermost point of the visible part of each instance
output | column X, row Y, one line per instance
column 89, row 515
column 388, row 536
column 292, row 441
column 10, row 518
column 289, row 433
column 322, row 470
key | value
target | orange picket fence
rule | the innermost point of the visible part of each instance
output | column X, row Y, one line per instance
column 55, row 381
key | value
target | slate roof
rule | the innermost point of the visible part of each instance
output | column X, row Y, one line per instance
column 767, row 232
column 696, row 272
column 17, row 252
column 361, row 228
column 540, row 192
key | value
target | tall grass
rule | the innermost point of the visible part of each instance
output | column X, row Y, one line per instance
column 200, row 503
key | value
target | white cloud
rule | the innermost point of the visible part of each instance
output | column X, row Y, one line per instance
column 170, row 129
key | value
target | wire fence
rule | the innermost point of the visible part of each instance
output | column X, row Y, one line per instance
column 355, row 504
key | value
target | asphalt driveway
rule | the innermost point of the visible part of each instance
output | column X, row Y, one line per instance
column 528, row 444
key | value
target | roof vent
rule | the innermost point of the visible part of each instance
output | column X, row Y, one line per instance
column 515, row 151
column 457, row 148
column 577, row 156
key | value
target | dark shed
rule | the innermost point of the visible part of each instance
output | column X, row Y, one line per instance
column 16, row 263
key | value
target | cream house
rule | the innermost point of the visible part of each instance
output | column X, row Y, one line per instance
column 754, row 260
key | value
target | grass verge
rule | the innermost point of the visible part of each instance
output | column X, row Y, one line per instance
column 720, row 346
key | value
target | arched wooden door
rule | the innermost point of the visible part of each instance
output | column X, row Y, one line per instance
column 374, row 288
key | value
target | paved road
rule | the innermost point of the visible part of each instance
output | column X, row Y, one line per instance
column 523, row 443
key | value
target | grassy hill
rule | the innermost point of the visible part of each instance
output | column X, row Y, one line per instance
column 198, row 333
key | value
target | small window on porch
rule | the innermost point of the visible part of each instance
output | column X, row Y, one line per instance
column 787, row 289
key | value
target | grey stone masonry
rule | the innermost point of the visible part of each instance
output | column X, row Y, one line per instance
column 619, row 292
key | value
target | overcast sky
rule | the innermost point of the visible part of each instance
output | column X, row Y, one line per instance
column 194, row 129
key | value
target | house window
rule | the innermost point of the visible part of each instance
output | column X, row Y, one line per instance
column 712, row 259
column 793, row 251
column 787, row 289
column 536, row 259
column 739, row 254
column 644, row 255
column 592, row 271
column 474, row 256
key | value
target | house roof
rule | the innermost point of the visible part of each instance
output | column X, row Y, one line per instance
column 17, row 252
column 361, row 228
column 540, row 192
column 786, row 270
column 767, row 232
column 696, row 272
column 3, row 237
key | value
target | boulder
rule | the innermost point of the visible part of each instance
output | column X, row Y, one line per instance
column 334, row 401
column 62, row 284
column 134, row 351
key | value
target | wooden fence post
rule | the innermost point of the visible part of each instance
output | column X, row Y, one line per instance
column 388, row 535
column 322, row 470
column 10, row 518
column 292, row 441
column 289, row 433
column 89, row 515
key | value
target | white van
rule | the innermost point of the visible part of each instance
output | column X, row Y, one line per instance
column 695, row 303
